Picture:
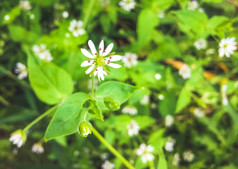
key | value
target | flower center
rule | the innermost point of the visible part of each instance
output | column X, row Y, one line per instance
column 100, row 61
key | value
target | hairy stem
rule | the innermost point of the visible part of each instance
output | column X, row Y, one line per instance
column 112, row 149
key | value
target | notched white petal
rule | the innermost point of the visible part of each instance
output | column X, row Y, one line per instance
column 101, row 47
column 114, row 65
column 86, row 53
column 108, row 49
column 90, row 69
column 92, row 47
column 87, row 63
column 115, row 58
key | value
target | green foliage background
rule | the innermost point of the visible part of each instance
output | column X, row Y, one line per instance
column 212, row 138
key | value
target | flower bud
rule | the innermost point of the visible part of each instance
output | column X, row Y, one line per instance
column 111, row 104
column 85, row 128
column 18, row 138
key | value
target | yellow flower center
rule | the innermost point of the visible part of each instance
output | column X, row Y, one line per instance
column 100, row 61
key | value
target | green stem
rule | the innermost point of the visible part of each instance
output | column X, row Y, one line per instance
column 93, row 84
column 151, row 163
column 39, row 118
column 88, row 12
column 112, row 149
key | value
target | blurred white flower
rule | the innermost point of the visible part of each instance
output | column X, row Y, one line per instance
column 42, row 52
column 6, row 17
column 192, row 5
column 104, row 156
column 130, row 59
column 21, row 71
column 185, row 71
column 133, row 128
column 127, row 5
column 188, row 156
column 129, row 110
column 37, row 148
column 210, row 51
column 18, row 138
column 176, row 159
column 161, row 14
column 227, row 47
column 169, row 146
column 161, row 97
column 25, row 5
column 32, row 16
column 76, row 27
column 145, row 100
column 145, row 153
column 107, row 165
column 65, row 14
column 104, row 3
column 158, row 76
column 76, row 153
column 201, row 10
column 99, row 61
column 200, row 44
column 67, row 35
column 198, row 112
column 169, row 120
column 224, row 96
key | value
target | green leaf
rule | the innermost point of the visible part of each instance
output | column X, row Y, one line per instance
column 118, row 91
column 168, row 104
column 183, row 100
column 50, row 83
column 147, row 21
column 162, row 160
column 67, row 116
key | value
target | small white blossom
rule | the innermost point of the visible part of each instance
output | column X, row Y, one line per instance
column 104, row 156
column 161, row 97
column 18, row 138
column 185, row 71
column 129, row 110
column 201, row 10
column 127, row 5
column 145, row 100
column 188, row 156
column 76, row 153
column 192, row 5
column 176, row 159
column 198, row 112
column 25, row 5
column 145, row 153
column 129, row 60
column 200, row 44
column 133, row 128
column 21, row 71
column 161, row 14
column 65, row 14
column 104, row 3
column 32, row 16
column 76, row 27
column 37, row 148
column 42, row 52
column 210, row 51
column 227, row 47
column 169, row 146
column 158, row 76
column 224, row 96
column 6, row 17
column 100, row 60
column 107, row 165
column 169, row 120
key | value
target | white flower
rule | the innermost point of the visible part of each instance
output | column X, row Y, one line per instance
column 104, row 156
column 192, row 5
column 145, row 153
column 185, row 71
column 158, row 76
column 100, row 60
column 201, row 10
column 21, row 71
column 127, row 5
column 76, row 153
column 224, row 96
column 65, row 14
column 107, row 165
column 169, row 146
column 37, row 148
column 42, row 52
column 161, row 14
column 76, row 28
column 129, row 110
column 169, row 120
column 130, row 59
column 188, row 156
column 145, row 100
column 6, row 17
column 133, row 128
column 200, row 44
column 18, row 138
column 227, row 47
column 32, row 16
column 161, row 97
column 210, row 51
column 176, row 159
column 25, row 5
column 198, row 112
column 104, row 3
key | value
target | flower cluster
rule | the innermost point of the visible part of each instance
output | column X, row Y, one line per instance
column 145, row 153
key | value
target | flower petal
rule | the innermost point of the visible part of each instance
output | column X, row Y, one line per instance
column 101, row 47
column 92, row 48
column 86, row 63
column 86, row 53
column 115, row 58
column 108, row 49
column 90, row 69
column 114, row 65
